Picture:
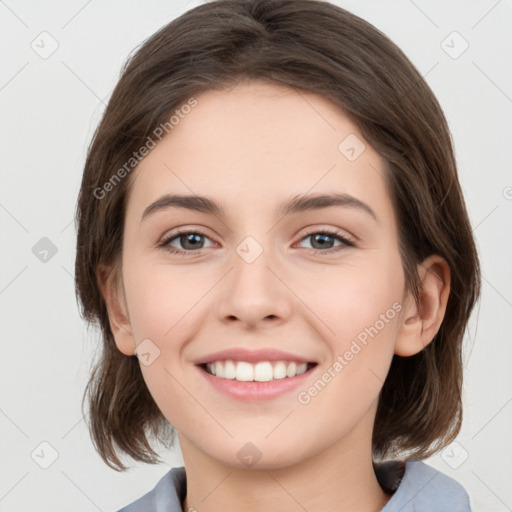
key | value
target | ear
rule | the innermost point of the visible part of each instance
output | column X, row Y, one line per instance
column 114, row 296
column 420, row 322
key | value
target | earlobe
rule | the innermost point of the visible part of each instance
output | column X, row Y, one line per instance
column 113, row 294
column 421, row 322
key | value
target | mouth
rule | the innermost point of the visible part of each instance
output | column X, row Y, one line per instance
column 255, row 375
column 262, row 371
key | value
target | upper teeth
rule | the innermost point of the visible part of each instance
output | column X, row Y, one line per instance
column 260, row 372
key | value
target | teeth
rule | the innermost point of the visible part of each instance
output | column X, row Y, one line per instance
column 263, row 371
column 301, row 368
column 291, row 371
column 219, row 369
column 280, row 370
column 229, row 370
column 244, row 371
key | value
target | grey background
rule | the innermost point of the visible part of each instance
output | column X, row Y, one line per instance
column 49, row 109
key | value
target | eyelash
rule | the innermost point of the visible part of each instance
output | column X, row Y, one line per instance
column 172, row 250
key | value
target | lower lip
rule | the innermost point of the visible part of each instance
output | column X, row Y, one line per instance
column 255, row 391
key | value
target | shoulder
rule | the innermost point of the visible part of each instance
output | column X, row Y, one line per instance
column 166, row 496
column 424, row 488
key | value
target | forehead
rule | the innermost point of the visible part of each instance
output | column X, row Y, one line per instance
column 256, row 141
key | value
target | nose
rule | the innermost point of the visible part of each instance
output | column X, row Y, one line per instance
column 254, row 293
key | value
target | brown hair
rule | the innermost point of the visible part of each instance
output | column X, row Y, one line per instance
column 314, row 46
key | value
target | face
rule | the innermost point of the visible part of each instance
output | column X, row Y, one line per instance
column 296, row 311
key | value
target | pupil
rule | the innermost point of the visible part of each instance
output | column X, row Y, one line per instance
column 322, row 238
column 190, row 239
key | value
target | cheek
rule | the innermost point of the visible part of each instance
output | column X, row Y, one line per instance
column 343, row 302
column 341, row 306
column 360, row 305
column 351, row 298
column 164, row 302
column 363, row 310
column 162, row 299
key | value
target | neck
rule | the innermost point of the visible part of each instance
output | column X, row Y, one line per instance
column 340, row 477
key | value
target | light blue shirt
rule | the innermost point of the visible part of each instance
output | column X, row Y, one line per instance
column 420, row 488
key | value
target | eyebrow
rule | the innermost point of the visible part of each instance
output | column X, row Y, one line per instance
column 295, row 204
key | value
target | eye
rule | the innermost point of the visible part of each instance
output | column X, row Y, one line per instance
column 323, row 240
column 189, row 240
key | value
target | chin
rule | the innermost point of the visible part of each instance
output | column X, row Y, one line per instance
column 256, row 455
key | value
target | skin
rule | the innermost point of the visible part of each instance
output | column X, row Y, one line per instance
column 250, row 148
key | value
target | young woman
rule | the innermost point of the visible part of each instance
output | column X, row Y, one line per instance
column 273, row 240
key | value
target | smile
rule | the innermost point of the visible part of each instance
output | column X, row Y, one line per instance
column 262, row 371
column 255, row 375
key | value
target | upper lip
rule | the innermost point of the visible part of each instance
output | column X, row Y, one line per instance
column 251, row 356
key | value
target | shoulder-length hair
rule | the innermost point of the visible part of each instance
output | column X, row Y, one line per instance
column 313, row 46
